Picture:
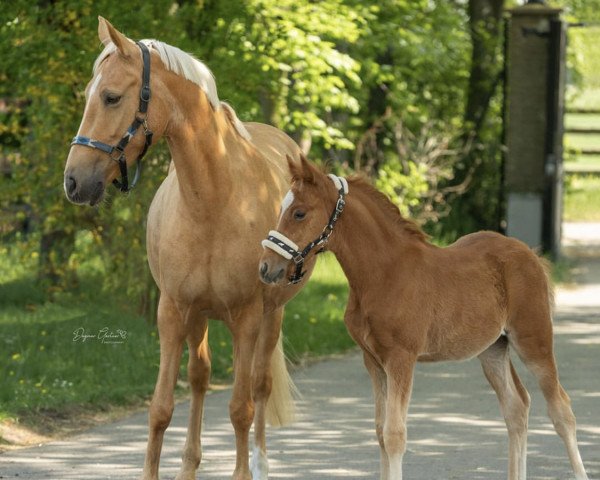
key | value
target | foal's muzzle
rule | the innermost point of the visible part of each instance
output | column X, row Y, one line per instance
column 271, row 276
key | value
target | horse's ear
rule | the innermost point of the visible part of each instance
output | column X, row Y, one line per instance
column 107, row 34
column 301, row 171
column 294, row 168
column 308, row 170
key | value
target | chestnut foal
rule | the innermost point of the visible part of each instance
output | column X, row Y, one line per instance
column 412, row 301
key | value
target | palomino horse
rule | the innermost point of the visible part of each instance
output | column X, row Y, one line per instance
column 412, row 301
column 203, row 234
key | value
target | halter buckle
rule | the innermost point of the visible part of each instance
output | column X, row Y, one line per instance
column 120, row 152
column 145, row 93
column 296, row 279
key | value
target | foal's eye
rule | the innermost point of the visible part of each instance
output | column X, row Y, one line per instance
column 299, row 215
column 111, row 99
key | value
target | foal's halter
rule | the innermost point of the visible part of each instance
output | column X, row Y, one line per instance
column 282, row 245
column 117, row 152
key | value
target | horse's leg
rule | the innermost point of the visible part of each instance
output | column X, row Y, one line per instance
column 399, row 372
column 172, row 333
column 514, row 404
column 199, row 378
column 537, row 354
column 531, row 335
column 262, row 381
column 379, row 392
column 244, row 327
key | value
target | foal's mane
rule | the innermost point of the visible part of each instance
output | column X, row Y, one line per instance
column 362, row 184
column 190, row 68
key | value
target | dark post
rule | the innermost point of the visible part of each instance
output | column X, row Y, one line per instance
column 534, row 125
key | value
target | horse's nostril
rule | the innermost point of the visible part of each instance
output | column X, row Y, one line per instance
column 263, row 269
column 70, row 184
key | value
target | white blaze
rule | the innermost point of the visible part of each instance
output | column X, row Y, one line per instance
column 93, row 88
column 286, row 202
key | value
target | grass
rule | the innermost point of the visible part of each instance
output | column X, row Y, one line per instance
column 582, row 193
column 582, row 120
column 582, row 199
column 587, row 99
column 47, row 366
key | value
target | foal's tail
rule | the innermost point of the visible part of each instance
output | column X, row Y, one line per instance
column 547, row 267
column 280, row 407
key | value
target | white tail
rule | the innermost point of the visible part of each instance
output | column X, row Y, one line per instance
column 280, row 407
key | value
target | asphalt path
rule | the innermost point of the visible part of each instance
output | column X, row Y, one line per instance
column 455, row 430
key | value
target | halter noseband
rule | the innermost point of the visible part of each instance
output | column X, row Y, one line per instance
column 117, row 152
column 285, row 247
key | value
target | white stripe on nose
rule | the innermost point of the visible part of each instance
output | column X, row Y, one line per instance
column 286, row 202
column 93, row 88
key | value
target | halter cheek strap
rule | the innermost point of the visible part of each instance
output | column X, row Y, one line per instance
column 285, row 247
column 117, row 152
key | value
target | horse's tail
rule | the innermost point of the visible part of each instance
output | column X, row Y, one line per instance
column 547, row 268
column 280, row 407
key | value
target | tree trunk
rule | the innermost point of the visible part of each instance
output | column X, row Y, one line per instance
column 56, row 248
column 481, row 142
column 485, row 25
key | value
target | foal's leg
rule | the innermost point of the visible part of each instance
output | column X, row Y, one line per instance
column 244, row 327
column 172, row 333
column 399, row 372
column 199, row 378
column 514, row 404
column 262, row 381
column 536, row 351
column 379, row 392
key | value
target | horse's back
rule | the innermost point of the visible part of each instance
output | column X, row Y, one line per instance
column 273, row 144
column 524, row 276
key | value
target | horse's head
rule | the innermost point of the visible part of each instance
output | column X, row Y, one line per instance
column 112, row 107
column 305, row 222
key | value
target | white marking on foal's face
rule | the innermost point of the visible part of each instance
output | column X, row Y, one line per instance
column 286, row 202
column 93, row 88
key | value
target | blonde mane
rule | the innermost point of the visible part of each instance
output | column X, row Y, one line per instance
column 190, row 68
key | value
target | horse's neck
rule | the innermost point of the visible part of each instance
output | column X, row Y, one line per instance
column 371, row 246
column 203, row 143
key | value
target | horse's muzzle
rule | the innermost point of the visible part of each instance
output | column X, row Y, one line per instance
column 81, row 192
column 270, row 277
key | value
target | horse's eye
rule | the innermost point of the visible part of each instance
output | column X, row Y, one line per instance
column 112, row 99
column 299, row 215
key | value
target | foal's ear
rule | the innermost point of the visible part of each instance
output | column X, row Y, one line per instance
column 107, row 34
column 303, row 171
column 293, row 167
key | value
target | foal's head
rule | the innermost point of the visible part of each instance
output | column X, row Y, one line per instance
column 305, row 211
column 112, row 101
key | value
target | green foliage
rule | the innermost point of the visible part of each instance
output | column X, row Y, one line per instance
column 285, row 58
column 404, row 188
column 322, row 71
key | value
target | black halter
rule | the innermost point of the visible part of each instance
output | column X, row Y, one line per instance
column 117, row 152
column 282, row 245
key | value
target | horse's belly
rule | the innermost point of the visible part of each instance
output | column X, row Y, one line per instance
column 460, row 344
